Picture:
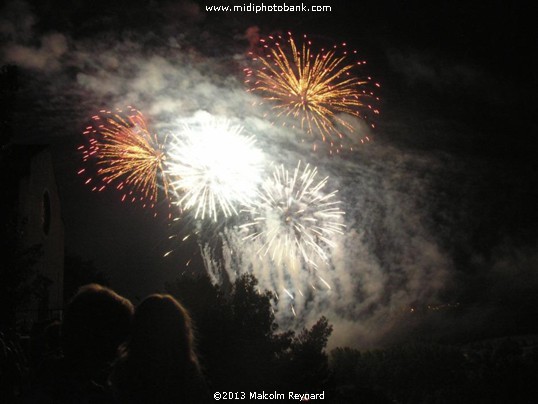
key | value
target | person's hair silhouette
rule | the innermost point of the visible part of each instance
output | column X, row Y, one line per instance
column 96, row 321
column 158, row 363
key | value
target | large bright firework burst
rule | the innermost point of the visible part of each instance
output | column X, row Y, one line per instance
column 126, row 155
column 214, row 168
column 310, row 87
column 293, row 218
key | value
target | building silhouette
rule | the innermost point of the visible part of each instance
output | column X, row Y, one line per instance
column 40, row 223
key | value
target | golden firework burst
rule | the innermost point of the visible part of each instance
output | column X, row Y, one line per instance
column 314, row 89
column 126, row 155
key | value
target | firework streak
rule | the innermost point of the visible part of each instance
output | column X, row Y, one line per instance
column 293, row 217
column 214, row 168
column 126, row 155
column 313, row 89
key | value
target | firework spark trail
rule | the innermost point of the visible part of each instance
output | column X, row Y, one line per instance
column 312, row 88
column 214, row 168
column 126, row 154
column 293, row 218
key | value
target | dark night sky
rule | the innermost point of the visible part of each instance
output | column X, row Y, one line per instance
column 458, row 102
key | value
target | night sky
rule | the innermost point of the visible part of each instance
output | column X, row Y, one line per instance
column 440, row 205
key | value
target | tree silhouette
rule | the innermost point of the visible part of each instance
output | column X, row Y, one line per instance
column 239, row 342
column 426, row 372
column 307, row 363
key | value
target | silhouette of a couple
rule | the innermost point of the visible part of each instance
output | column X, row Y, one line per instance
column 113, row 353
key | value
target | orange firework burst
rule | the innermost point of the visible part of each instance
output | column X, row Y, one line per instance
column 312, row 88
column 126, row 155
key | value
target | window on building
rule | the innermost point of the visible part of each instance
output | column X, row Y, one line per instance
column 46, row 212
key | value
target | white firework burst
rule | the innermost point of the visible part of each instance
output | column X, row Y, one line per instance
column 214, row 168
column 293, row 219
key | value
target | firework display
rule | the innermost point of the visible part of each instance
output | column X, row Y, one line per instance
column 293, row 217
column 244, row 212
column 214, row 168
column 317, row 184
column 126, row 155
column 312, row 88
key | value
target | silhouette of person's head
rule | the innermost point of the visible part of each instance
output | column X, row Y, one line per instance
column 162, row 328
column 158, row 363
column 96, row 322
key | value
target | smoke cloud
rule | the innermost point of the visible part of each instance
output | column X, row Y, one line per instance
column 391, row 256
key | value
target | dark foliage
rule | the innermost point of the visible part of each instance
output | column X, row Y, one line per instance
column 13, row 367
column 307, row 363
column 504, row 371
column 239, row 343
